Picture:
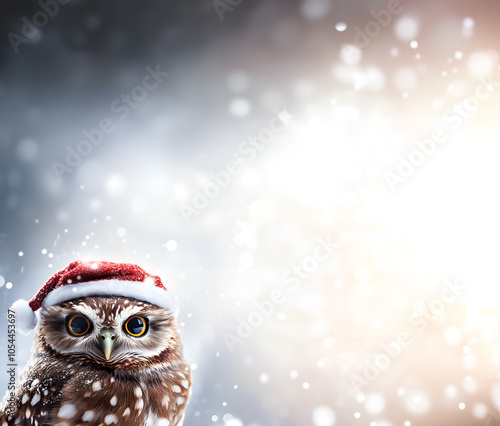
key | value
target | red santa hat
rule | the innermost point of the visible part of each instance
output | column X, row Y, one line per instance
column 80, row 279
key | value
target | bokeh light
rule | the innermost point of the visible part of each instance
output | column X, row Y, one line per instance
column 315, row 180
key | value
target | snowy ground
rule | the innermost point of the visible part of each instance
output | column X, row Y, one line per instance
column 316, row 180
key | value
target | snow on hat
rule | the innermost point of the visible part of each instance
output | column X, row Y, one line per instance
column 80, row 279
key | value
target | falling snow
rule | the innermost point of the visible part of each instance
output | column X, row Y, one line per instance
column 387, row 148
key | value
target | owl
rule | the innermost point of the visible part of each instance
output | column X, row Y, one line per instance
column 102, row 357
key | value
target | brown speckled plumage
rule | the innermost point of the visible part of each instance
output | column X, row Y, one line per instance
column 68, row 381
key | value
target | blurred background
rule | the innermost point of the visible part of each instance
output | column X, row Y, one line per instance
column 314, row 179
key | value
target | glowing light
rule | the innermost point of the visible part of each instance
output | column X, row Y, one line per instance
column 374, row 78
column 495, row 395
column 406, row 28
column 115, row 185
column 315, row 9
column 468, row 27
column 324, row 415
column 450, row 391
column 240, row 107
column 479, row 410
column 452, row 336
column 468, row 22
column 470, row 384
column 375, row 403
column 171, row 245
column 482, row 63
column 340, row 26
column 28, row 150
column 350, row 54
column 417, row 402
column 360, row 397
column 394, row 51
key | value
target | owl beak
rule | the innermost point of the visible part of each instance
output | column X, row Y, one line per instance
column 108, row 337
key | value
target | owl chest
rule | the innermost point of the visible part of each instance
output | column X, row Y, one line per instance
column 103, row 399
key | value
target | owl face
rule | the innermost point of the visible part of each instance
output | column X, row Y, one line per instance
column 111, row 331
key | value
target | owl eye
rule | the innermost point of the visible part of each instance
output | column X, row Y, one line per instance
column 78, row 325
column 136, row 326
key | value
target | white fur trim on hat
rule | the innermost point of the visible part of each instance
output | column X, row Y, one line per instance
column 145, row 291
column 25, row 317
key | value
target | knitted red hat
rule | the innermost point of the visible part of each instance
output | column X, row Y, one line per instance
column 80, row 279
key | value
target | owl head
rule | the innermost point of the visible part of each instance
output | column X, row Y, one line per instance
column 111, row 314
column 110, row 331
